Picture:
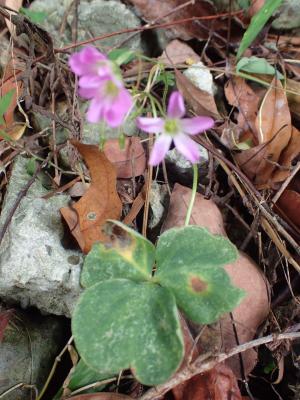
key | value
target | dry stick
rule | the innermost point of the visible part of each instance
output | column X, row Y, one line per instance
column 20, row 196
column 286, row 183
column 148, row 191
column 144, row 28
column 199, row 366
column 53, row 369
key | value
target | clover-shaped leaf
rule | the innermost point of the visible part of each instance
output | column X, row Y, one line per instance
column 188, row 263
column 126, row 318
column 120, row 324
column 129, row 256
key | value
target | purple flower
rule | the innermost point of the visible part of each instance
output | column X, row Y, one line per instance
column 100, row 83
column 175, row 128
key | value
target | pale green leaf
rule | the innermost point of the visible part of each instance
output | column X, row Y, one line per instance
column 120, row 324
column 5, row 103
column 129, row 256
column 37, row 17
column 256, row 65
column 189, row 262
column 257, row 23
column 122, row 56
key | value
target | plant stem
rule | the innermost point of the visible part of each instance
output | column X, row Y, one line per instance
column 193, row 196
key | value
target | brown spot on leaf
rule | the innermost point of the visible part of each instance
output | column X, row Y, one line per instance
column 197, row 284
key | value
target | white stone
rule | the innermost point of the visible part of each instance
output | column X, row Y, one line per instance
column 35, row 269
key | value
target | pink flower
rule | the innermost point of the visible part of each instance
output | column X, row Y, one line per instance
column 100, row 83
column 175, row 128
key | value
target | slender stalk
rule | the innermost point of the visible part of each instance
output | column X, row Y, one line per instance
column 193, row 196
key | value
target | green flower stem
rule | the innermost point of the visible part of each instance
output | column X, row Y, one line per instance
column 193, row 196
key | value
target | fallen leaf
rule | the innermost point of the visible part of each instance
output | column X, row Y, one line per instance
column 244, row 273
column 178, row 52
column 291, row 151
column 274, row 129
column 219, row 383
column 201, row 102
column 14, row 5
column 101, row 202
column 240, row 95
column 156, row 9
column 101, row 396
column 130, row 161
column 289, row 203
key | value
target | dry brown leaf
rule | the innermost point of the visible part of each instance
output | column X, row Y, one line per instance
column 178, row 52
column 291, row 151
column 273, row 126
column 155, row 9
column 100, row 396
column 244, row 273
column 256, row 5
column 14, row 5
column 201, row 102
column 130, row 161
column 101, row 202
column 239, row 94
column 219, row 383
column 289, row 203
column 216, row 384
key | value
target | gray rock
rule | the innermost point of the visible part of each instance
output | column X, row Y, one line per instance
column 27, row 353
column 288, row 15
column 95, row 18
column 91, row 132
column 181, row 170
column 158, row 200
column 35, row 269
column 4, row 52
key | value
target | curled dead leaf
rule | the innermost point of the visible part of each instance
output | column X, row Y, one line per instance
column 101, row 202
column 239, row 94
column 274, row 130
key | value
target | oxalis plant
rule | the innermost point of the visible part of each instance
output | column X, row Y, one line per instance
column 128, row 316
column 129, row 313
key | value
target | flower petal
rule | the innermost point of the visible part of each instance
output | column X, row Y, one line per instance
column 150, row 125
column 176, row 108
column 160, row 148
column 95, row 110
column 85, row 61
column 196, row 125
column 187, row 147
column 120, row 106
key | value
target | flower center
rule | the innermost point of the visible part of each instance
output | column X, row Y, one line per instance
column 111, row 89
column 171, row 127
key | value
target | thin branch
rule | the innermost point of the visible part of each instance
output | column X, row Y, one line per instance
column 199, row 366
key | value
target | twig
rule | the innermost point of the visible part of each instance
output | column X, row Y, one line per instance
column 20, row 196
column 144, row 28
column 286, row 183
column 257, row 197
column 199, row 367
column 57, row 360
